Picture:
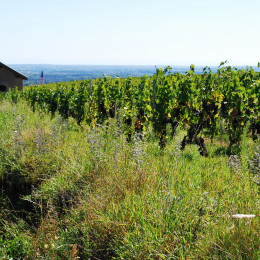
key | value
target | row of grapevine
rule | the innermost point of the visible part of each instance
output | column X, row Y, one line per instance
column 196, row 101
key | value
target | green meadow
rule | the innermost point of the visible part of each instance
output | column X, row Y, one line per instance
column 81, row 192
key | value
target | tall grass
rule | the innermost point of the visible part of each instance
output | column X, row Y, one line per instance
column 70, row 192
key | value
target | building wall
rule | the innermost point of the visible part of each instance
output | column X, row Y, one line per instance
column 9, row 79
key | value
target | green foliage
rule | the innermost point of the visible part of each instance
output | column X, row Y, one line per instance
column 191, row 99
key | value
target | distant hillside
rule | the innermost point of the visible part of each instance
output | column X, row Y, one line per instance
column 61, row 73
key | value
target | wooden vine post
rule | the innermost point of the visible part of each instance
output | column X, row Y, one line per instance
column 220, row 114
column 57, row 95
column 154, row 90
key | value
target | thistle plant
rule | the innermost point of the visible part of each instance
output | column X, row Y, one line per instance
column 59, row 130
column 177, row 151
column 235, row 164
column 41, row 140
column 19, row 124
column 96, row 143
column 117, row 146
column 254, row 166
column 138, row 152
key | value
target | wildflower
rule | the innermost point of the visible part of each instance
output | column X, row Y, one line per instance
column 138, row 150
column 255, row 166
column 96, row 143
column 177, row 151
column 235, row 164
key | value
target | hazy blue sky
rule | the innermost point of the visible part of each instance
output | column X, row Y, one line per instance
column 126, row 32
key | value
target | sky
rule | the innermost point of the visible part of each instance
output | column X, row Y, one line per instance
column 130, row 32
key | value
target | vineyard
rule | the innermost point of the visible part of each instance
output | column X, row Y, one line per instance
column 161, row 167
column 197, row 102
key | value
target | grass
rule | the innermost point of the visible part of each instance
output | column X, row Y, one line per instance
column 70, row 192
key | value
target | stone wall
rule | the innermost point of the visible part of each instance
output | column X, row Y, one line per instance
column 9, row 79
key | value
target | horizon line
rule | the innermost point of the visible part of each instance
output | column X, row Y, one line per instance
column 150, row 65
